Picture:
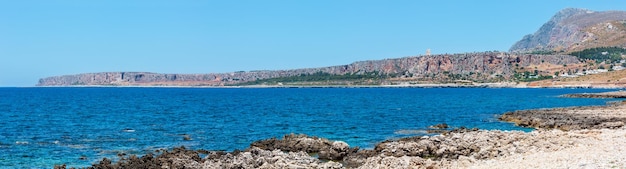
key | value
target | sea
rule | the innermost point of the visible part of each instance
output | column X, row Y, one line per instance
column 43, row 127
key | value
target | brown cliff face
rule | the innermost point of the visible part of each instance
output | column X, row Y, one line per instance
column 482, row 67
column 575, row 30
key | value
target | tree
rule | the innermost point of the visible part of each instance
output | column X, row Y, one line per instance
column 526, row 74
column 613, row 54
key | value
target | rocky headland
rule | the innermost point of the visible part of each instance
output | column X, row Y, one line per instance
column 481, row 67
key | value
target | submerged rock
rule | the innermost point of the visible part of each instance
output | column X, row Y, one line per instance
column 186, row 137
column 439, row 126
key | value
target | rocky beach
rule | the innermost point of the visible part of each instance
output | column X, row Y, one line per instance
column 276, row 86
column 573, row 137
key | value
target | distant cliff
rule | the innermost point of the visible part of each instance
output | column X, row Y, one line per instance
column 480, row 67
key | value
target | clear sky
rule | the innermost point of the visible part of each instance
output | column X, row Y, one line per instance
column 50, row 38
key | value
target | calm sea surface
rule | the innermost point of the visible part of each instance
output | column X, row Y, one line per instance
column 40, row 127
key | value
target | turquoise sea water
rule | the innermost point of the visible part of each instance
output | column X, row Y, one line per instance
column 40, row 127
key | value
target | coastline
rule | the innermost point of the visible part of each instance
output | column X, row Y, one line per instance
column 555, row 144
column 426, row 85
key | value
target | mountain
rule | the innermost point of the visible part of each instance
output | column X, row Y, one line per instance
column 574, row 29
column 477, row 67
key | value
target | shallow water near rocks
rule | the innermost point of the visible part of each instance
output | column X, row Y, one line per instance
column 41, row 127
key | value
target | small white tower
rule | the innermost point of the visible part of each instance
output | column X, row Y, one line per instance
column 427, row 52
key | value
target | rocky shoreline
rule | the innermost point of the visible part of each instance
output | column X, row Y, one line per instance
column 458, row 149
column 575, row 137
column 617, row 94
column 572, row 118
column 610, row 116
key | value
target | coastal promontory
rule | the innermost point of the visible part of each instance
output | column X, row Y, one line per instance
column 476, row 67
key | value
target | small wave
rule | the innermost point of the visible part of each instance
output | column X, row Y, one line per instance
column 77, row 146
column 21, row 142
column 409, row 132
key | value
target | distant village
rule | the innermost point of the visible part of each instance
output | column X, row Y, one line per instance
column 600, row 69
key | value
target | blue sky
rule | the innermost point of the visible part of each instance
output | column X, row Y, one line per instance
column 50, row 38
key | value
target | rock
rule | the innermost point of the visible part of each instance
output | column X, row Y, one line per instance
column 340, row 146
column 611, row 125
column 439, row 126
column 186, row 137
column 337, row 151
column 294, row 143
column 326, row 149
column 259, row 158
column 60, row 166
column 436, row 131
